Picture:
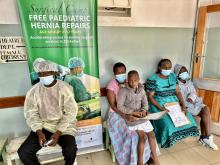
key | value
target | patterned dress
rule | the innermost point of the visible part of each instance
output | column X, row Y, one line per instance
column 124, row 141
column 165, row 91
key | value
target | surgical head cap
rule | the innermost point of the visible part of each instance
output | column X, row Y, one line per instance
column 36, row 61
column 45, row 66
column 75, row 62
column 177, row 69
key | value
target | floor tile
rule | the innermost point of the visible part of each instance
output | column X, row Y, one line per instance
column 216, row 163
column 180, row 145
column 163, row 151
column 217, row 139
column 208, row 154
column 99, row 158
column 189, row 157
column 168, row 160
column 85, row 159
column 191, row 141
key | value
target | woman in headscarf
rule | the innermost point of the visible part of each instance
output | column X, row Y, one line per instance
column 194, row 105
column 162, row 88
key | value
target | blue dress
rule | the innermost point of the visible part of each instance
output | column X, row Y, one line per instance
column 165, row 91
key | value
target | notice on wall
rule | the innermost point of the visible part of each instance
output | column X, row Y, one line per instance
column 12, row 49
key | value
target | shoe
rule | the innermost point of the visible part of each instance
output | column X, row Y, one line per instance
column 209, row 142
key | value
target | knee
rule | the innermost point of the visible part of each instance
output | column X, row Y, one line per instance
column 22, row 153
column 205, row 111
column 142, row 136
column 69, row 152
column 151, row 135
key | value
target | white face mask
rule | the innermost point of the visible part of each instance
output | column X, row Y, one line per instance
column 166, row 72
column 184, row 76
column 47, row 80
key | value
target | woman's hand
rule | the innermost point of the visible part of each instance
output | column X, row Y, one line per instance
column 184, row 110
column 164, row 109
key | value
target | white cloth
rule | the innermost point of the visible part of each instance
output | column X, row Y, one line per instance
column 188, row 91
column 146, row 127
column 52, row 108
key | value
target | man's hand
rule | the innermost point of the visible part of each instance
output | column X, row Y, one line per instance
column 41, row 137
column 55, row 138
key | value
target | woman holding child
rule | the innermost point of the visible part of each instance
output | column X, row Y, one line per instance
column 124, row 140
column 162, row 88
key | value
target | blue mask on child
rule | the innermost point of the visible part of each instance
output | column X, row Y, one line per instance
column 184, row 75
column 166, row 72
column 120, row 77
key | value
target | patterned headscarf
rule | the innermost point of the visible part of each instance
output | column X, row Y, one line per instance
column 177, row 69
column 44, row 66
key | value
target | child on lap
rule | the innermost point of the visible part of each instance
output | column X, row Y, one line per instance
column 132, row 101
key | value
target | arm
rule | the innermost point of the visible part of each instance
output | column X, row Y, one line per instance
column 112, row 102
column 180, row 98
column 31, row 113
column 121, row 102
column 192, row 94
column 150, row 89
column 32, row 117
column 154, row 102
column 144, row 102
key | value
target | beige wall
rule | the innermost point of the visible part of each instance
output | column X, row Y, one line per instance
column 145, row 13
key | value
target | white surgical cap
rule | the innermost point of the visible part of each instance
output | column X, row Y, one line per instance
column 75, row 62
column 45, row 66
column 36, row 61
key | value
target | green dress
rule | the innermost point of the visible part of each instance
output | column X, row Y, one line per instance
column 165, row 91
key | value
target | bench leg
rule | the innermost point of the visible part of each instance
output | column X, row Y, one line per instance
column 18, row 162
column 6, row 158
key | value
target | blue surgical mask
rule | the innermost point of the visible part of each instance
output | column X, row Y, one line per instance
column 120, row 77
column 166, row 72
column 184, row 75
column 79, row 74
column 47, row 80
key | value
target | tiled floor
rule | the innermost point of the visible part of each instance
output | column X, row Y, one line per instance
column 186, row 152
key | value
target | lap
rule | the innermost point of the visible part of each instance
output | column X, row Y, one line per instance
column 67, row 141
column 31, row 144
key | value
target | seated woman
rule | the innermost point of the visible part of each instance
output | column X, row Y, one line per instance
column 194, row 105
column 162, row 88
column 124, row 141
